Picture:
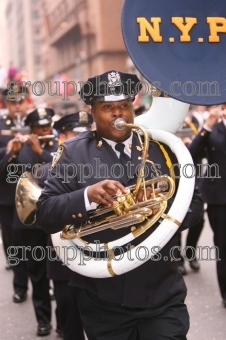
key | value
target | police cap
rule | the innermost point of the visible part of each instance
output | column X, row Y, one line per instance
column 39, row 117
column 110, row 86
column 15, row 93
column 79, row 121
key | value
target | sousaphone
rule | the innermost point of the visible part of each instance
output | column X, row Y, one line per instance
column 178, row 54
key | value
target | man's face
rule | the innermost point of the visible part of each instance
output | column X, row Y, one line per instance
column 42, row 130
column 16, row 106
column 104, row 115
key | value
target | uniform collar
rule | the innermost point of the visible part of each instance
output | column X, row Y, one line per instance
column 127, row 143
column 224, row 121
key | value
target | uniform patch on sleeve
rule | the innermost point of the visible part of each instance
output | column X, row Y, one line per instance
column 57, row 156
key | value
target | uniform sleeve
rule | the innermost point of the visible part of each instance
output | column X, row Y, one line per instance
column 25, row 155
column 28, row 156
column 45, row 157
column 195, row 211
column 5, row 160
column 199, row 143
column 2, row 152
column 61, row 202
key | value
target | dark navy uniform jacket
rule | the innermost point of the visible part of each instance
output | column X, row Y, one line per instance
column 62, row 202
column 5, row 124
column 7, row 190
column 56, row 270
column 213, row 189
column 28, row 156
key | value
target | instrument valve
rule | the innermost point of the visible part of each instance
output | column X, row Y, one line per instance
column 129, row 197
column 117, row 209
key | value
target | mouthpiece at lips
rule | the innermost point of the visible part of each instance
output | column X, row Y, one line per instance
column 119, row 123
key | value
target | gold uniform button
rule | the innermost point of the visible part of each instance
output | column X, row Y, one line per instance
column 43, row 162
column 79, row 215
column 202, row 133
column 212, row 180
column 51, row 143
column 4, row 117
column 212, row 148
column 9, row 160
column 171, row 259
column 8, row 122
column 53, row 249
column 73, row 216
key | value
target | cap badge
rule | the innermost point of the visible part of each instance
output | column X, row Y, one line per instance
column 41, row 112
column 114, row 79
column 83, row 117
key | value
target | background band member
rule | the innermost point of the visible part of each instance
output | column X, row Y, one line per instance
column 10, row 147
column 187, row 132
column 35, row 151
column 147, row 302
column 212, row 138
column 67, row 313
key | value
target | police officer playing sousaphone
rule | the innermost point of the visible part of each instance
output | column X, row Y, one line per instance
column 144, row 303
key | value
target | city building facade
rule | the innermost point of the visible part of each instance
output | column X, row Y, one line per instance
column 82, row 38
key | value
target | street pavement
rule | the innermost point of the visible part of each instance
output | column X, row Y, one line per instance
column 207, row 316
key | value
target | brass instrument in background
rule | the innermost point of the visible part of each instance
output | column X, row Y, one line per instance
column 27, row 194
column 23, row 131
column 125, row 212
column 18, row 128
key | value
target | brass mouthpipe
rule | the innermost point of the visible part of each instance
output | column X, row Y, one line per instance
column 119, row 124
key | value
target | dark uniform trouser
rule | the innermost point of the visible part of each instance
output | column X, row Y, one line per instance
column 36, row 268
column 9, row 235
column 192, row 238
column 68, row 314
column 193, row 235
column 106, row 320
column 6, row 219
column 217, row 218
